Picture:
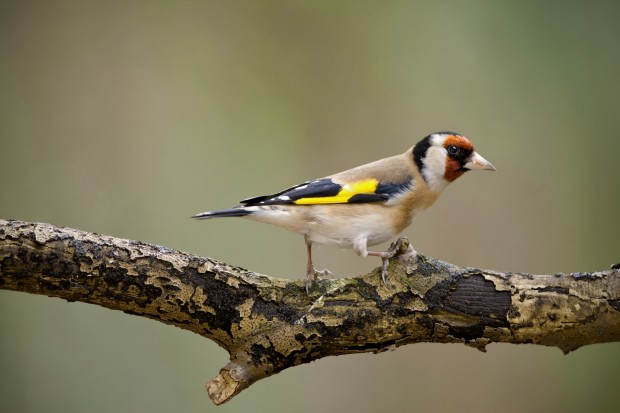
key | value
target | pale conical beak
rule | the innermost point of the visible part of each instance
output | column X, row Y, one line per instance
column 478, row 162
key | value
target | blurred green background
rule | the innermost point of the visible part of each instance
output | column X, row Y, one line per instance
column 125, row 118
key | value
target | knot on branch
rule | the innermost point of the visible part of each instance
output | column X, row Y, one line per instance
column 232, row 379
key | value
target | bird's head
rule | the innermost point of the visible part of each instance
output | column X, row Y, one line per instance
column 444, row 156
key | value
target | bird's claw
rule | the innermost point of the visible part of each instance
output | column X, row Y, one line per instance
column 385, row 259
column 384, row 271
column 314, row 275
column 398, row 247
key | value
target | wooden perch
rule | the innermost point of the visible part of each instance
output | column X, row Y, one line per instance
column 268, row 324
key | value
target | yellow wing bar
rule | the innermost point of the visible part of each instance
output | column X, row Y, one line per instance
column 368, row 186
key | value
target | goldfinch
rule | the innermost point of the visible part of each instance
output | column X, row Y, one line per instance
column 367, row 205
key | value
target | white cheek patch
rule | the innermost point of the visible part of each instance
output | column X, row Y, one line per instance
column 435, row 167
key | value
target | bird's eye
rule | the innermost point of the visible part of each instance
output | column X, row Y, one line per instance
column 453, row 150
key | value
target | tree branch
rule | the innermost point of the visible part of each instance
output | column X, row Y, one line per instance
column 268, row 324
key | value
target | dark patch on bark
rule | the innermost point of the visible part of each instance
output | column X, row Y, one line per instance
column 467, row 333
column 474, row 296
column 435, row 296
column 397, row 304
column 351, row 322
column 167, row 285
column 264, row 356
column 369, row 292
column 272, row 309
column 427, row 321
column 425, row 267
column 402, row 329
column 343, row 303
column 375, row 347
column 554, row 289
column 590, row 319
column 273, row 361
column 293, row 289
column 303, row 339
column 615, row 304
column 221, row 297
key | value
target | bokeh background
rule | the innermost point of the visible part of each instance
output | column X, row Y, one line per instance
column 125, row 118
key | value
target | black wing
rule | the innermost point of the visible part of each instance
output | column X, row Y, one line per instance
column 326, row 191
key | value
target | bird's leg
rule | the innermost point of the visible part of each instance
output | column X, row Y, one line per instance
column 312, row 273
column 385, row 260
column 398, row 247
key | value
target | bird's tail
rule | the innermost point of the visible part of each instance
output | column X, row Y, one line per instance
column 221, row 213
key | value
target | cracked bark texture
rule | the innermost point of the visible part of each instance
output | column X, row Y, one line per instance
column 268, row 324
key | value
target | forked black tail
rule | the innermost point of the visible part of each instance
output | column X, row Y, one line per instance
column 223, row 213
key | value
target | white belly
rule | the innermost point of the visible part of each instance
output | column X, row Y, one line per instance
column 336, row 225
column 345, row 234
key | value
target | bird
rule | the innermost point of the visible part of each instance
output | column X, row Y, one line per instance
column 367, row 205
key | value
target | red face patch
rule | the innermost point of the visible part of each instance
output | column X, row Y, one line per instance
column 453, row 170
column 454, row 166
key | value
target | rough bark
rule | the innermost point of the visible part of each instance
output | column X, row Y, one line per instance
column 268, row 324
